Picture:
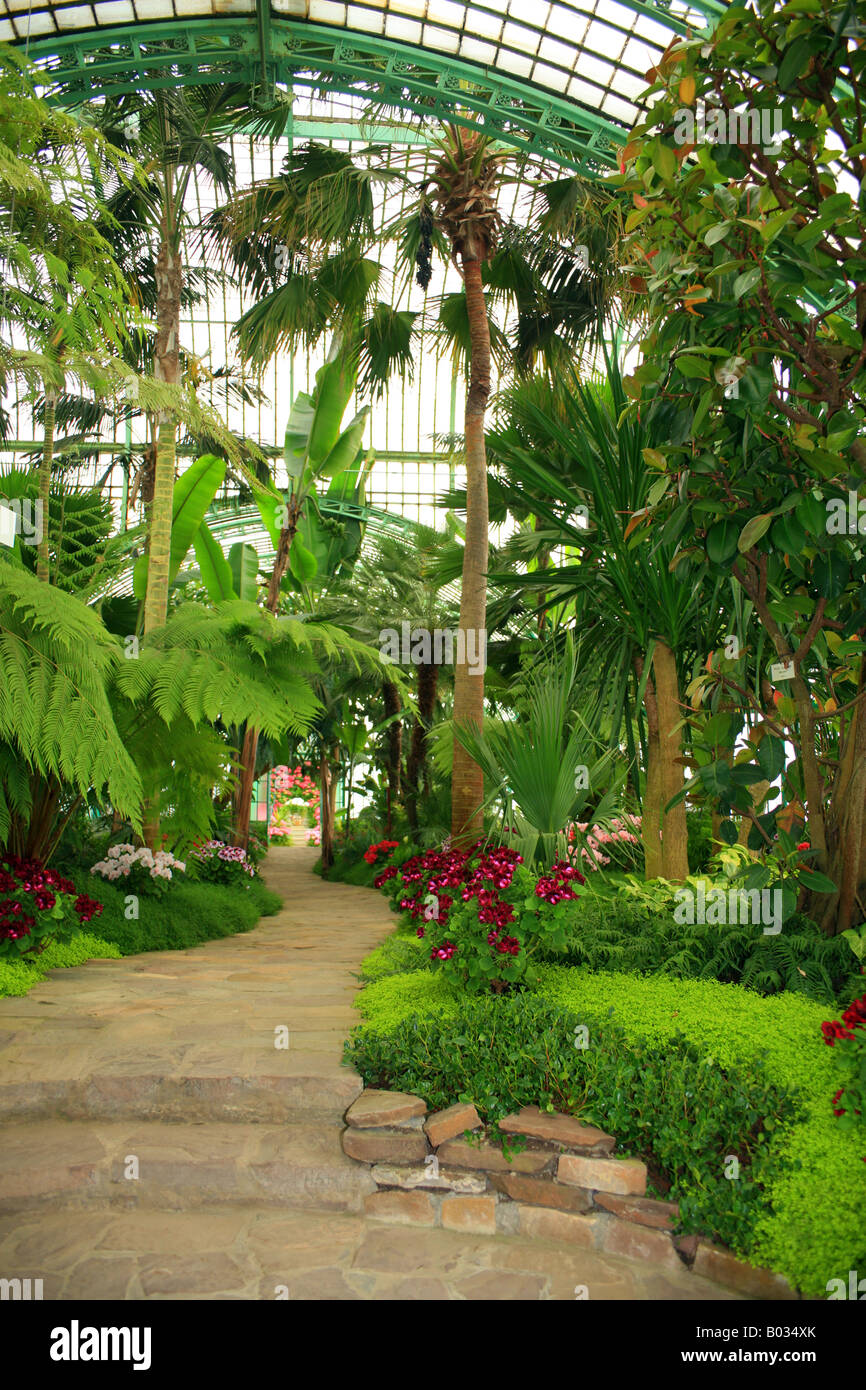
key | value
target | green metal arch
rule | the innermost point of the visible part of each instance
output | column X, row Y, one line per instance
column 263, row 50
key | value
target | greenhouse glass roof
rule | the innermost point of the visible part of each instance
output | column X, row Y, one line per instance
column 559, row 77
column 559, row 80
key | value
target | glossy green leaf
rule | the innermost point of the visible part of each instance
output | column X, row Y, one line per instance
column 216, row 573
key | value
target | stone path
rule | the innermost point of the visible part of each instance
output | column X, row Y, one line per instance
column 157, row 1144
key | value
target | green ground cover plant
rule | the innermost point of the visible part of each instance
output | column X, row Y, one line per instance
column 187, row 915
column 17, row 977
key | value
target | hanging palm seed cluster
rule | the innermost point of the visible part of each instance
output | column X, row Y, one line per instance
column 424, row 255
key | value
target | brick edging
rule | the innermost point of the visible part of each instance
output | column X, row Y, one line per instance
column 565, row 1184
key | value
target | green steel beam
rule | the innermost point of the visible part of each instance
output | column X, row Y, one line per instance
column 387, row 73
column 263, row 21
column 34, row 446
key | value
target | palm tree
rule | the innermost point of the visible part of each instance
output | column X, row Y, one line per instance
column 173, row 133
column 311, row 229
column 461, row 194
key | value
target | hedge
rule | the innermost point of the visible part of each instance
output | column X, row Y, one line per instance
column 187, row 915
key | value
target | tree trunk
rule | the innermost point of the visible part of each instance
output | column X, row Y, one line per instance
column 393, row 744
column 166, row 367
column 665, row 836
column 326, row 822
column 846, row 832
column 467, row 781
column 243, row 794
column 650, row 808
column 416, row 763
column 45, row 486
column 674, row 830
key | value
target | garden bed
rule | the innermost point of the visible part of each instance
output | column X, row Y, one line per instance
column 688, row 1075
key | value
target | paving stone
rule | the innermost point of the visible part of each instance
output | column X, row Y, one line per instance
column 559, row 1129
column 375, row 1109
column 100, row 1279
column 448, row 1124
column 403, row 1208
column 541, row 1192
column 383, row 1146
column 421, row 1290
column 722, row 1267
column 191, row 1275
column 626, row 1176
column 474, row 1214
column 460, row 1154
column 325, row 1285
column 502, row 1284
column 645, row 1211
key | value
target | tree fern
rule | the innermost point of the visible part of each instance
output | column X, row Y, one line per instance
column 55, row 661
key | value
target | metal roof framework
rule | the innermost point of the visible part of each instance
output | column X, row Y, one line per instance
column 558, row 78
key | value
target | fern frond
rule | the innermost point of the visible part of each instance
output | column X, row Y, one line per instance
column 55, row 661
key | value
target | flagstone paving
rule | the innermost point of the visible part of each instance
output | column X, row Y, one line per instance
column 156, row 1143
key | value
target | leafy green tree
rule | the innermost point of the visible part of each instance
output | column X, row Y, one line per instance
column 746, row 236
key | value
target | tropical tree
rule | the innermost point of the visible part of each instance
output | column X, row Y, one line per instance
column 754, row 366
column 313, row 229
column 174, row 133
column 583, row 472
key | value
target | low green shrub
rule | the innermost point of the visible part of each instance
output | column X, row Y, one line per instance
column 625, row 933
column 686, row 1073
column 397, row 955
column 17, row 977
column 189, row 914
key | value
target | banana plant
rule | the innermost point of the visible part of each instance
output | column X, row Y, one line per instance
column 306, row 547
column 317, row 449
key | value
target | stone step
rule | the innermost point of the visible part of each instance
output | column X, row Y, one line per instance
column 173, row 1167
column 260, row 1086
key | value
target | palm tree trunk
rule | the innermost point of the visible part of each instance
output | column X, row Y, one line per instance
column 416, row 763
column 393, row 745
column 467, row 780
column 45, row 485
column 650, row 807
column 674, row 831
column 664, row 834
column 166, row 367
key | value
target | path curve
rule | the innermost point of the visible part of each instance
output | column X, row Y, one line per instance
column 156, row 1143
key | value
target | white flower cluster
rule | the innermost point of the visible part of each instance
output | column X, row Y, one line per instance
column 121, row 859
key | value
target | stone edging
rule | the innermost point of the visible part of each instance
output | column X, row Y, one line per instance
column 564, row 1185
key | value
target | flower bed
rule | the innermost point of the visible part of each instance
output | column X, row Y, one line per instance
column 141, row 868
column 38, row 906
